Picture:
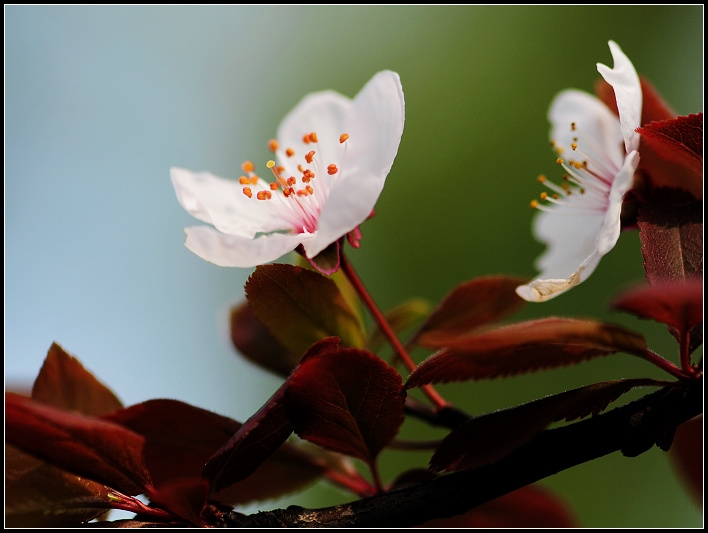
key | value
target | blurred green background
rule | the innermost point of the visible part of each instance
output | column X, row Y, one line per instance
column 101, row 101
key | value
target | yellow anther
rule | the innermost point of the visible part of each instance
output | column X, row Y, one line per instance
column 559, row 160
column 534, row 204
column 572, row 126
column 270, row 164
column 577, row 164
column 574, row 146
column 544, row 195
column 541, row 178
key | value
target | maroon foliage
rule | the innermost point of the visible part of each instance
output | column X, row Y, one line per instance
column 64, row 382
column 484, row 439
column 93, row 448
column 677, row 304
column 299, row 307
column 346, row 400
column 671, row 233
column 525, row 347
column 672, row 153
column 253, row 340
column 471, row 305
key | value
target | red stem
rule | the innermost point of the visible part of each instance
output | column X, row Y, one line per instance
column 685, row 354
column 353, row 483
column 386, row 328
column 667, row 366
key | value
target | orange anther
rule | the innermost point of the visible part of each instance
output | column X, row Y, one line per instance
column 305, row 179
column 302, row 192
column 541, row 178
column 272, row 145
column 559, row 160
column 273, row 186
column 263, row 195
column 310, row 190
column 544, row 195
column 287, row 192
column 572, row 126
column 279, row 169
column 309, row 156
column 577, row 164
column 253, row 180
column 343, row 137
column 248, row 167
column 313, row 137
column 290, row 152
column 291, row 181
column 574, row 146
column 247, row 192
column 332, row 169
column 534, row 204
column 243, row 180
column 306, row 138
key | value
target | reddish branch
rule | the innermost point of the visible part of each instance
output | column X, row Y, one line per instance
column 631, row 429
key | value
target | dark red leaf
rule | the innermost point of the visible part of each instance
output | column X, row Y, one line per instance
column 346, row 400
column 687, row 455
column 63, row 382
column 41, row 496
column 525, row 347
column 90, row 447
column 259, row 436
column 484, row 439
column 179, row 438
column 529, row 507
column 671, row 233
column 676, row 304
column 671, row 153
column 248, row 447
column 253, row 340
column 286, row 470
column 185, row 497
column 470, row 305
column 299, row 307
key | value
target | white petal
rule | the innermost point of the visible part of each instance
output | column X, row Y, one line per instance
column 599, row 127
column 222, row 203
column 238, row 251
column 375, row 126
column 628, row 93
column 611, row 225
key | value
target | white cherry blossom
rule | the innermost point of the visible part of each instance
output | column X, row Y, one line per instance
column 332, row 156
column 580, row 220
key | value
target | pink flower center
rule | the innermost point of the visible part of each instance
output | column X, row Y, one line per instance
column 588, row 179
column 297, row 199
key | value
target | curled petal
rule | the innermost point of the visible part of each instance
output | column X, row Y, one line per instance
column 374, row 123
column 628, row 92
column 238, row 251
column 221, row 202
